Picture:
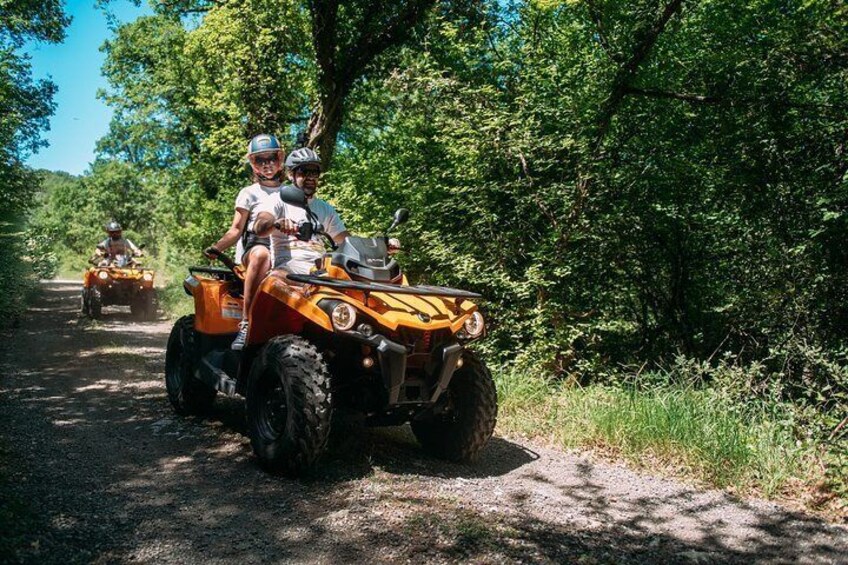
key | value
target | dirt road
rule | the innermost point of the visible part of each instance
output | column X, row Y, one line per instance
column 95, row 467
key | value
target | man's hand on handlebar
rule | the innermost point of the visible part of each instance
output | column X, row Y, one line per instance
column 286, row 226
column 211, row 253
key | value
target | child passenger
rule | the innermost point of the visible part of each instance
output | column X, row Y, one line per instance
column 265, row 155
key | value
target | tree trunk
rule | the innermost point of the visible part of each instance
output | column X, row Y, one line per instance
column 323, row 128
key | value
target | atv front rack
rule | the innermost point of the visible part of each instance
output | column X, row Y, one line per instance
column 369, row 287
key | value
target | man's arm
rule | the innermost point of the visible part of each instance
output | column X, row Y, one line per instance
column 340, row 237
column 264, row 224
column 135, row 250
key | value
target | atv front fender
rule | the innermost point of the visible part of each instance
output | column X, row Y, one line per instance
column 281, row 308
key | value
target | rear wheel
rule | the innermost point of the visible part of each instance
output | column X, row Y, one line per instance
column 288, row 405
column 187, row 394
column 463, row 428
column 95, row 303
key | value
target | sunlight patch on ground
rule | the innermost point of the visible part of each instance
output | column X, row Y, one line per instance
column 105, row 384
column 144, row 385
column 45, row 399
column 175, row 463
column 74, row 422
column 64, row 522
column 139, row 352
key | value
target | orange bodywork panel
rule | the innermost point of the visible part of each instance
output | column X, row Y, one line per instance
column 115, row 274
column 282, row 307
column 395, row 310
column 216, row 310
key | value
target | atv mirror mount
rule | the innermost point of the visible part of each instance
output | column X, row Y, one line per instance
column 293, row 196
column 401, row 216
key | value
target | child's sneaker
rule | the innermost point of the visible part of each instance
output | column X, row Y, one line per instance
column 241, row 337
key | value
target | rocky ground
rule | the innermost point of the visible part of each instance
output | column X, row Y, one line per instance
column 95, row 467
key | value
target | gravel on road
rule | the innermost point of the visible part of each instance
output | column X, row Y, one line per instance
column 96, row 468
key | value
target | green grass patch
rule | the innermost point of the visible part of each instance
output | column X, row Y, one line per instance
column 694, row 432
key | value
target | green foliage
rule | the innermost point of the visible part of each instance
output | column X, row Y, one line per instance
column 630, row 184
column 748, row 445
column 25, row 106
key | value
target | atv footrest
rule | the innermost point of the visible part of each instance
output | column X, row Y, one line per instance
column 212, row 374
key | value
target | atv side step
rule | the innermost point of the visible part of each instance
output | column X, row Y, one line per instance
column 211, row 373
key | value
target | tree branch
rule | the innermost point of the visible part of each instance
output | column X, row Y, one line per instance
column 370, row 45
column 646, row 38
column 651, row 93
column 727, row 100
column 597, row 19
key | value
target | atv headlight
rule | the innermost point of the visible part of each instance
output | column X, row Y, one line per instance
column 474, row 325
column 102, row 275
column 343, row 316
column 147, row 276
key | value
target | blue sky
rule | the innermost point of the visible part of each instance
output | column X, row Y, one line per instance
column 80, row 118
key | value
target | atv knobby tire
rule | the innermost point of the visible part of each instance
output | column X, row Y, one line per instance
column 150, row 306
column 95, row 303
column 143, row 306
column 136, row 308
column 460, row 431
column 188, row 395
column 288, row 405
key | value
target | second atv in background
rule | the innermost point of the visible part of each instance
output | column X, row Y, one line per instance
column 118, row 278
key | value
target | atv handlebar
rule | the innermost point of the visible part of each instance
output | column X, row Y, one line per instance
column 309, row 228
column 229, row 263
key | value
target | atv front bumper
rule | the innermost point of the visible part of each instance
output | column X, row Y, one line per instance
column 392, row 358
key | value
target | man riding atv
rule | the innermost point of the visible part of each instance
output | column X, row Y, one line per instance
column 115, row 245
column 339, row 329
column 117, row 278
column 288, row 252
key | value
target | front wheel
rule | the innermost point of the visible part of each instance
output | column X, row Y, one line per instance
column 188, row 395
column 149, row 306
column 463, row 427
column 95, row 303
column 143, row 306
column 288, row 405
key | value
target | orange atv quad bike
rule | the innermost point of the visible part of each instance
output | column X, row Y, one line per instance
column 121, row 281
column 353, row 335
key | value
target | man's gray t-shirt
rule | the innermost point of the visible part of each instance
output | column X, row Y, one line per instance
column 120, row 246
column 291, row 253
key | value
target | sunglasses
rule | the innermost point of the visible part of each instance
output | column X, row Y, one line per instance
column 314, row 173
column 265, row 160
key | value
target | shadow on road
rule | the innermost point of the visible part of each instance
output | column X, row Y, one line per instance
column 94, row 466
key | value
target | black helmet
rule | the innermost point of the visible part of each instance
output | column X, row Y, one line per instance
column 113, row 226
column 300, row 157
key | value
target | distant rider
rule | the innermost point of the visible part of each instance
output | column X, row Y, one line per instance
column 289, row 253
column 265, row 155
column 114, row 245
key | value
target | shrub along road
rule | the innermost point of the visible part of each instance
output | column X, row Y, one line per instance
column 95, row 467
